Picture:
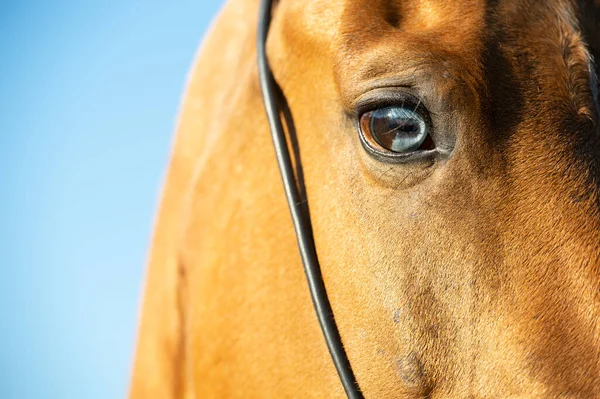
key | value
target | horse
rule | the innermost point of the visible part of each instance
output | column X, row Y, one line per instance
column 449, row 156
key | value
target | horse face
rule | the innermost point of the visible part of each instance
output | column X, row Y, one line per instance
column 465, row 263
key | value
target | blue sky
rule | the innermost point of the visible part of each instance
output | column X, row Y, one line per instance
column 89, row 92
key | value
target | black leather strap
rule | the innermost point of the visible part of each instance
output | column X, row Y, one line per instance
column 300, row 217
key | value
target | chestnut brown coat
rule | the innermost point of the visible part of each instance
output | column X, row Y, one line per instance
column 474, row 273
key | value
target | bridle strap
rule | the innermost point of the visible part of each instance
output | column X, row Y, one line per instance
column 299, row 212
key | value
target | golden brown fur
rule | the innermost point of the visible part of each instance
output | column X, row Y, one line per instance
column 475, row 275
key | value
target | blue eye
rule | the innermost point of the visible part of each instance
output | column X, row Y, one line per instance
column 397, row 128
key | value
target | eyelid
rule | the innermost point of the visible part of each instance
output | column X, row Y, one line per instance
column 381, row 99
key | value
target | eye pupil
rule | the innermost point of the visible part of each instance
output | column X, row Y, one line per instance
column 408, row 128
column 397, row 129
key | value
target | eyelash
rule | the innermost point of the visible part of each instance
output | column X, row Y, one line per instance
column 390, row 99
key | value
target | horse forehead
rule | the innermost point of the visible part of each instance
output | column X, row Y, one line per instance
column 357, row 38
column 350, row 37
column 326, row 20
column 317, row 20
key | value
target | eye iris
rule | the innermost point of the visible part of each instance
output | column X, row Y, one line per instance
column 398, row 129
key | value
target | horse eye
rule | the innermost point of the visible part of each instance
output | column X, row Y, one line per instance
column 395, row 128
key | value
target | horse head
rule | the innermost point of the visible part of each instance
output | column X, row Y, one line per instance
column 450, row 156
